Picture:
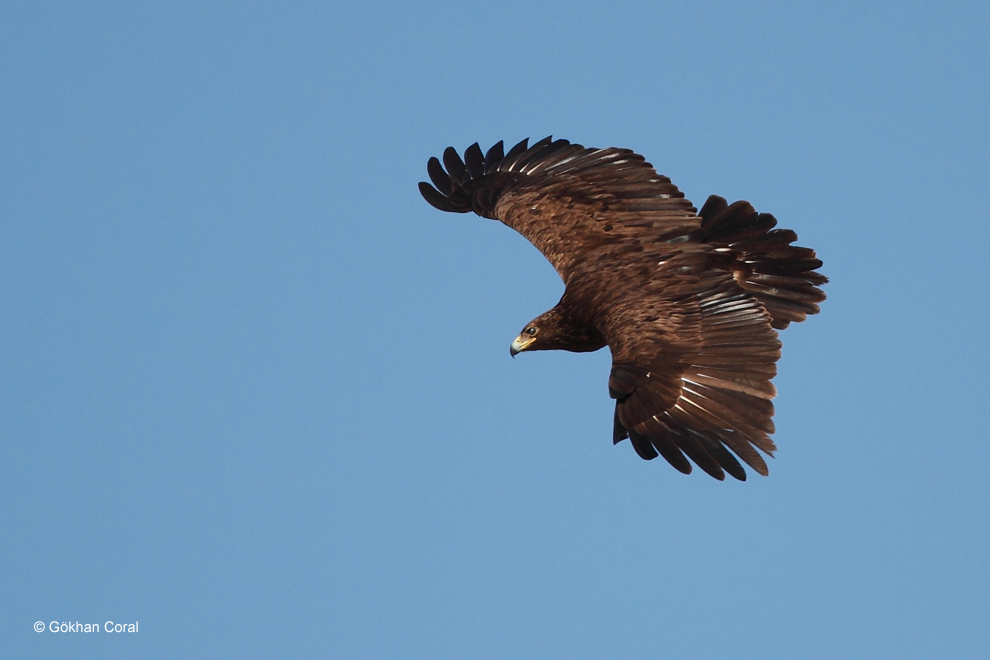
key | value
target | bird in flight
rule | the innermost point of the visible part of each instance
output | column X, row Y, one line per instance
column 689, row 302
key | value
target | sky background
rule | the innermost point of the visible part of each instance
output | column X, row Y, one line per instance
column 256, row 394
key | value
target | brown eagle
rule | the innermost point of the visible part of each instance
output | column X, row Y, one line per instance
column 687, row 302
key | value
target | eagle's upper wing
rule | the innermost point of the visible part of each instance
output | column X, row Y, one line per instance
column 582, row 208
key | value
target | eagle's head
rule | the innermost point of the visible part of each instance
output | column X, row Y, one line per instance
column 555, row 330
column 528, row 340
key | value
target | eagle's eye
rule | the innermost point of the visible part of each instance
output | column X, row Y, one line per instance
column 531, row 331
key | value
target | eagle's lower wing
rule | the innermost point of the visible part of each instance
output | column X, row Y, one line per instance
column 578, row 206
column 691, row 370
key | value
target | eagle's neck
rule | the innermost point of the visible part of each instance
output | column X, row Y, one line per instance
column 572, row 331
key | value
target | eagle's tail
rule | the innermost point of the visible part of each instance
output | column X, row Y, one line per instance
column 780, row 275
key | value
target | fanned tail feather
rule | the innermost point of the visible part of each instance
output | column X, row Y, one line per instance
column 780, row 275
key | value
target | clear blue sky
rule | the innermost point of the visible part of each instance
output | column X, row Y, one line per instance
column 256, row 394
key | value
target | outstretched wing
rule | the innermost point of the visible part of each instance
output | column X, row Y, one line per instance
column 692, row 359
column 578, row 206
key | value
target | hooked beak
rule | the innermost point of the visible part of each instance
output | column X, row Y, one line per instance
column 519, row 344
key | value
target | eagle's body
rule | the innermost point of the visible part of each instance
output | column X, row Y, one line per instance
column 687, row 302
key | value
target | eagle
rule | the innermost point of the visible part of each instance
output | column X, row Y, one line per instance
column 688, row 302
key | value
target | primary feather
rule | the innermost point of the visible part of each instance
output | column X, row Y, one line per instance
column 687, row 302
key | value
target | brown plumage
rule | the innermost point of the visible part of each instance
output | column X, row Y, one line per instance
column 687, row 302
